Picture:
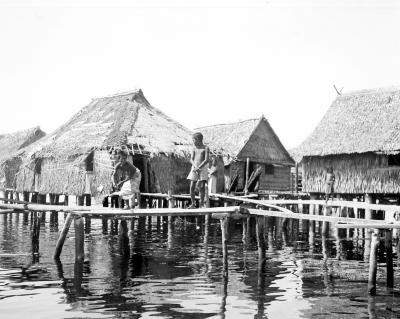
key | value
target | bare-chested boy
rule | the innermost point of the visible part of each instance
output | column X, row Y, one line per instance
column 199, row 171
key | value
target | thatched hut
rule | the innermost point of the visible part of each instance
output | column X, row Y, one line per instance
column 243, row 145
column 76, row 159
column 359, row 137
column 10, row 144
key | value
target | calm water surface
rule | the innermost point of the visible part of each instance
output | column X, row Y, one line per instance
column 176, row 270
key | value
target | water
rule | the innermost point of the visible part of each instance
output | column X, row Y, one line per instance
column 177, row 270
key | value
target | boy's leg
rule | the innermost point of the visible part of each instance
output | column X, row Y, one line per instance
column 133, row 200
column 192, row 194
column 202, row 192
column 126, row 204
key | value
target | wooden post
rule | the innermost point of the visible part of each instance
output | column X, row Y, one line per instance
column 35, row 237
column 373, row 263
column 34, row 198
column 247, row 175
column 296, row 187
column 79, row 238
column 206, row 195
column 63, row 235
column 325, row 225
column 170, row 200
column 124, row 238
column 311, row 224
column 81, row 200
column 389, row 258
column 88, row 199
column 52, row 198
column 146, row 174
column 260, row 229
column 224, row 233
column 66, row 200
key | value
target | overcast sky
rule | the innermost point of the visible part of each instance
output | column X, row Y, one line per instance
column 201, row 62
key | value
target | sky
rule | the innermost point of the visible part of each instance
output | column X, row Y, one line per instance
column 200, row 62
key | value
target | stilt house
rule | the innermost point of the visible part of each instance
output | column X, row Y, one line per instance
column 359, row 137
column 76, row 159
column 10, row 144
column 244, row 144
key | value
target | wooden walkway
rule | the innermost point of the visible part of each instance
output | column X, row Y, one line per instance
column 237, row 207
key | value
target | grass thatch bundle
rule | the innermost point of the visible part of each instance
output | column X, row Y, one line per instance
column 10, row 147
column 358, row 122
column 355, row 174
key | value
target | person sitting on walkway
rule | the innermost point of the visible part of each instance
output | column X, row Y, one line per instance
column 129, row 184
column 199, row 170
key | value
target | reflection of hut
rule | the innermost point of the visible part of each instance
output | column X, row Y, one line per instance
column 359, row 138
column 10, row 144
column 245, row 144
column 76, row 158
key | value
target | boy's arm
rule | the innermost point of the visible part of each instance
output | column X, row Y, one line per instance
column 192, row 160
column 113, row 176
column 206, row 156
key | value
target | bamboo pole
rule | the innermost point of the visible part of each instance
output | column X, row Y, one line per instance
column 79, row 238
column 389, row 258
column 373, row 263
column 63, row 235
column 247, row 176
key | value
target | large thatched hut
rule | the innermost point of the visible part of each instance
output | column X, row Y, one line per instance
column 243, row 145
column 359, row 137
column 76, row 159
column 10, row 144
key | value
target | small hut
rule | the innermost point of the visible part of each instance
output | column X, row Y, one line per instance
column 10, row 144
column 247, row 148
column 359, row 137
column 76, row 159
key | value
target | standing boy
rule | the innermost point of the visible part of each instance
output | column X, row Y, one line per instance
column 129, row 182
column 330, row 181
column 199, row 170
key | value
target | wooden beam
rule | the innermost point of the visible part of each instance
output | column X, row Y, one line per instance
column 379, row 225
column 285, row 213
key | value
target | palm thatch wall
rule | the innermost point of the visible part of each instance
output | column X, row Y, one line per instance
column 254, row 139
column 356, row 136
column 354, row 174
column 125, row 120
column 10, row 145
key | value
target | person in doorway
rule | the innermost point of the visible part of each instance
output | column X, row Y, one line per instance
column 199, row 170
column 213, row 176
column 329, row 183
column 126, row 178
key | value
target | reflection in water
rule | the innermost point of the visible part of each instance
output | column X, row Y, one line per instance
column 268, row 267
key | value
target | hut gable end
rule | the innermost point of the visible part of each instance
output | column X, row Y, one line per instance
column 252, row 138
column 264, row 146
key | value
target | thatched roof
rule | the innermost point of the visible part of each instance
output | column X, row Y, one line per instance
column 358, row 122
column 11, row 143
column 116, row 120
column 252, row 138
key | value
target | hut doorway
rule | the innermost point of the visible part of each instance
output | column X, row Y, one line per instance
column 139, row 161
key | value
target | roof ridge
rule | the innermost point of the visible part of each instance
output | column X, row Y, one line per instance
column 134, row 91
column 224, row 124
column 372, row 91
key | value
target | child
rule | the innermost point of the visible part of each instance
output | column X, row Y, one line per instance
column 330, row 180
column 213, row 175
column 199, row 171
column 130, row 179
